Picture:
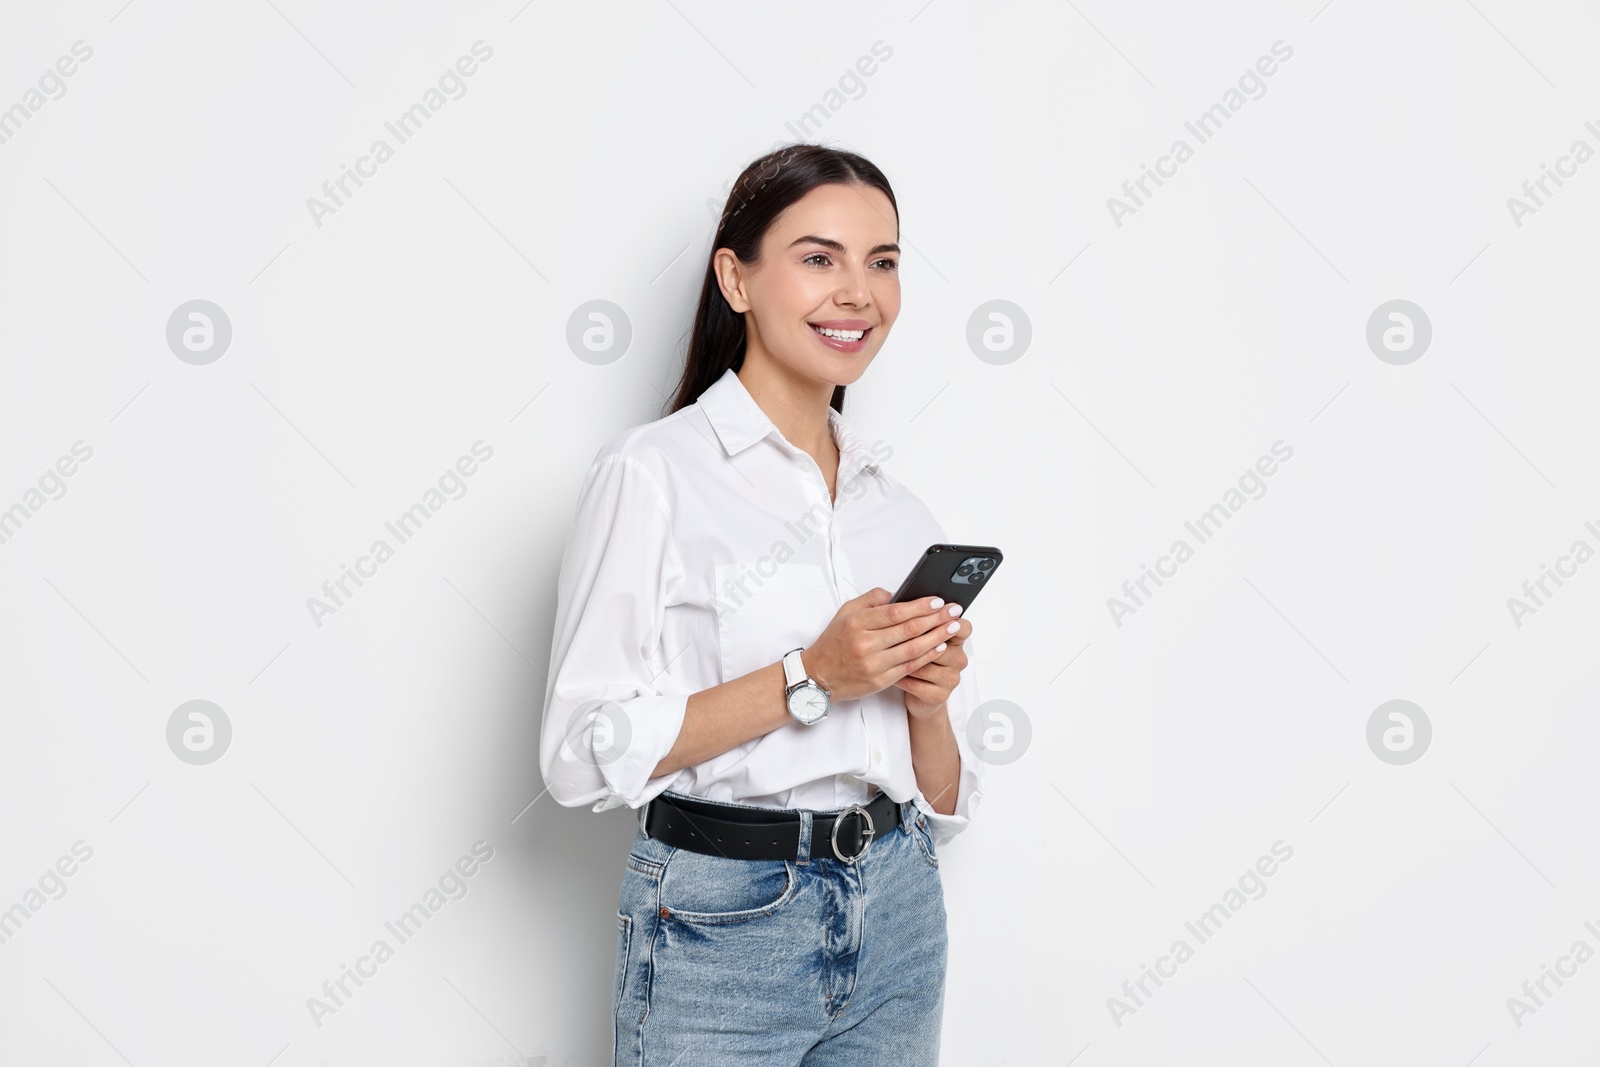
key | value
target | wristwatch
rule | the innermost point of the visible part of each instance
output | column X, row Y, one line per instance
column 807, row 701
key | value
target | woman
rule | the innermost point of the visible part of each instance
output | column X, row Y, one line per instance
column 727, row 660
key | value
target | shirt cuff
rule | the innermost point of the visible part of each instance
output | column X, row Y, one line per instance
column 946, row 827
column 617, row 772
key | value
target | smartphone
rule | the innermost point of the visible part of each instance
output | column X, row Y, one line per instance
column 956, row 573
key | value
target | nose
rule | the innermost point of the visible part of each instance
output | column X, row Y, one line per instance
column 853, row 289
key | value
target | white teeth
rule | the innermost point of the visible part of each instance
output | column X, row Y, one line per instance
column 841, row 335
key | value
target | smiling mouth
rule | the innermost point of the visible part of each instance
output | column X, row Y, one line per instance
column 842, row 335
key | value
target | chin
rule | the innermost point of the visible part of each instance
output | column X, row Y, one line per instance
column 846, row 372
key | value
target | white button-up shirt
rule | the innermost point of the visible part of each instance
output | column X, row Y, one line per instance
column 705, row 547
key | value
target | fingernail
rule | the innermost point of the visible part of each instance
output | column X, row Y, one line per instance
column 954, row 627
column 955, row 609
column 936, row 604
column 939, row 647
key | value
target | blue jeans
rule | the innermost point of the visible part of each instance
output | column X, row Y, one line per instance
column 785, row 962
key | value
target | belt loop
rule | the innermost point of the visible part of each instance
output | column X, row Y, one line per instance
column 907, row 814
column 644, row 816
column 803, row 851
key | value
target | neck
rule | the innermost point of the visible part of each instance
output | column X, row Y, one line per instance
column 798, row 406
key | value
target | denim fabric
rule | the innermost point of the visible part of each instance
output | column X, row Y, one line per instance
column 782, row 963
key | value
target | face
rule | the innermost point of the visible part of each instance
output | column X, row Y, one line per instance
column 830, row 262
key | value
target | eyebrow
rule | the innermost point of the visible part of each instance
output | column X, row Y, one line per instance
column 837, row 247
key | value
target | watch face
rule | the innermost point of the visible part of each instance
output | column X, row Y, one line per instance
column 808, row 703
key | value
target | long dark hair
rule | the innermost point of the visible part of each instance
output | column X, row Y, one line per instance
column 763, row 191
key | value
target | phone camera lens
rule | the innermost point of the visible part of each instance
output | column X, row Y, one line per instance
column 978, row 577
column 985, row 564
column 964, row 569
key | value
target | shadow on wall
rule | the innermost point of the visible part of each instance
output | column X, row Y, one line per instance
column 565, row 864
column 568, row 865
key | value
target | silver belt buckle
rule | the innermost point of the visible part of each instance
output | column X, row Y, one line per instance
column 834, row 837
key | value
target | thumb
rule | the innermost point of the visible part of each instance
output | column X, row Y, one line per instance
column 875, row 597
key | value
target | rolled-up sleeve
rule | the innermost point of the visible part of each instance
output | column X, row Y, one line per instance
column 962, row 705
column 611, row 709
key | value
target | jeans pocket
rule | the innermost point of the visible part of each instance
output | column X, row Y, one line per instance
column 924, row 837
column 624, row 943
column 619, row 982
column 699, row 888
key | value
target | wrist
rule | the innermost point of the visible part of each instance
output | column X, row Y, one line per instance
column 809, row 665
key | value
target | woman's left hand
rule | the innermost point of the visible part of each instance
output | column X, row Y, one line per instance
column 928, row 689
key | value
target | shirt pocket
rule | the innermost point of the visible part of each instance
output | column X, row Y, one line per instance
column 769, row 615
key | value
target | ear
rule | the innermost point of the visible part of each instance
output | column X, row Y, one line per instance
column 730, row 279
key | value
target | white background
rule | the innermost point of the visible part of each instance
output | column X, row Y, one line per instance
column 1168, row 354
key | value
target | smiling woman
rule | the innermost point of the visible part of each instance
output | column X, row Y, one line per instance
column 727, row 660
column 772, row 298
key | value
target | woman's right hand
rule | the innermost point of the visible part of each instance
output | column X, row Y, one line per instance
column 873, row 643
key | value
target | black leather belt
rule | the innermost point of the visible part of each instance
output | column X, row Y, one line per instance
column 767, row 833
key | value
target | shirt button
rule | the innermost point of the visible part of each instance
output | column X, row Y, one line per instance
column 876, row 755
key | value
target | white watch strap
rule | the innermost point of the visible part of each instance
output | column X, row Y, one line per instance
column 794, row 671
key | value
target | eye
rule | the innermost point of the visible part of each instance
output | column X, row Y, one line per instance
column 891, row 264
column 815, row 255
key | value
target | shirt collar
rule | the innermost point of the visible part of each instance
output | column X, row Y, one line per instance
column 739, row 423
